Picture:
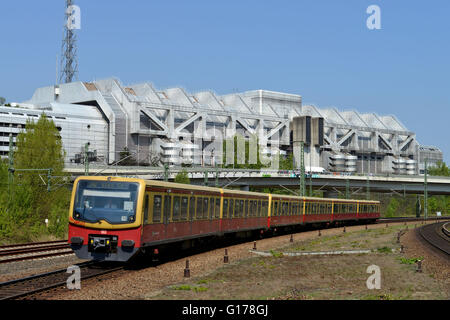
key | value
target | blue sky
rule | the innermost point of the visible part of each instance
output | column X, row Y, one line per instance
column 321, row 50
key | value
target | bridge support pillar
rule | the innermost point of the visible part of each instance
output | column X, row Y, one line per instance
column 331, row 194
column 245, row 188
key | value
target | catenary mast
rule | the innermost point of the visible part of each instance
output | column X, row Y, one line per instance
column 69, row 63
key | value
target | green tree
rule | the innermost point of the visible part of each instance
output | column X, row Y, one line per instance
column 239, row 142
column 126, row 159
column 392, row 208
column 440, row 169
column 182, row 177
column 39, row 147
column 439, row 203
column 27, row 205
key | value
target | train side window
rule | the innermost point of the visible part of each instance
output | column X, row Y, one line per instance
column 192, row 208
column 241, row 208
column 176, row 208
column 199, row 208
column 251, row 209
column 205, row 208
column 275, row 208
column 246, row 209
column 167, row 208
column 225, row 208
column 146, row 209
column 236, row 208
column 231, row 206
column 285, row 208
column 259, row 208
column 184, row 208
column 217, row 211
column 211, row 208
column 157, row 208
column 265, row 208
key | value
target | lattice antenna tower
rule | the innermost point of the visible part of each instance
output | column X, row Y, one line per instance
column 69, row 63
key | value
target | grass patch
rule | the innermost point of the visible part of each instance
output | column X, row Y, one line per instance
column 182, row 287
column 186, row 287
column 410, row 261
column 276, row 254
column 384, row 250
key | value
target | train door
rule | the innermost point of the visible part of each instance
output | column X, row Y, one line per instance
column 166, row 212
column 191, row 213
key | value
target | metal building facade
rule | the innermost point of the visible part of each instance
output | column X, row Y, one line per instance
column 173, row 126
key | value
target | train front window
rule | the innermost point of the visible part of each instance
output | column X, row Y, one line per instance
column 114, row 202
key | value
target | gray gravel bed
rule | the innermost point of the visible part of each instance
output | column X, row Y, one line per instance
column 21, row 269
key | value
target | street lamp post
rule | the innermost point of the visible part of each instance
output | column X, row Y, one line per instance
column 425, row 191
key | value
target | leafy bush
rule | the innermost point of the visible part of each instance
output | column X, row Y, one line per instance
column 182, row 177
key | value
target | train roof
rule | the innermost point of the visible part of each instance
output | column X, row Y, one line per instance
column 218, row 190
column 249, row 193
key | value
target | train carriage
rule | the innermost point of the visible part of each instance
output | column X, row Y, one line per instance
column 113, row 218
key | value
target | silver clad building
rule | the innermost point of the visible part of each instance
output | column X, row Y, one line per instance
column 173, row 126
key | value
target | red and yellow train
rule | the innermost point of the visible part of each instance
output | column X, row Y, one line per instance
column 113, row 218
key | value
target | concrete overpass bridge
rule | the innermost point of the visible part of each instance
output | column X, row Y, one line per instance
column 332, row 184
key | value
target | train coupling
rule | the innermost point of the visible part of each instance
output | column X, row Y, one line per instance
column 101, row 243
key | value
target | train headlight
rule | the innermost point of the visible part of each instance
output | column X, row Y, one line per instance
column 131, row 218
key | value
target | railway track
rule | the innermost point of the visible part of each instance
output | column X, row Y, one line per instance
column 29, row 251
column 435, row 238
column 30, row 286
column 410, row 219
column 38, row 250
column 26, row 287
